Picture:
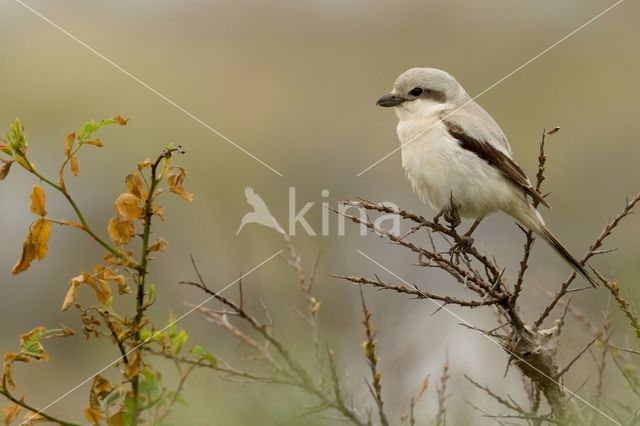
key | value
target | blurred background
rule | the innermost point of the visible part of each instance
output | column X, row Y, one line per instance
column 295, row 83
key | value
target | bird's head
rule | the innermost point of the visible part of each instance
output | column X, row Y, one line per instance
column 421, row 91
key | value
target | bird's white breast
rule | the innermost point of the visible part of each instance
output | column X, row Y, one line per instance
column 438, row 168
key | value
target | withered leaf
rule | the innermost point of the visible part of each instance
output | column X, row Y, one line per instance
column 38, row 201
column 35, row 246
column 31, row 346
column 10, row 413
column 121, row 120
column 116, row 420
column 120, row 232
column 99, row 285
column 135, row 185
column 30, row 417
column 4, row 169
column 144, row 164
column 159, row 211
column 132, row 369
column 128, row 207
column 176, row 181
column 71, row 295
column 158, row 245
column 40, row 234
column 68, row 142
column 75, row 165
column 101, row 386
column 95, row 142
column 93, row 415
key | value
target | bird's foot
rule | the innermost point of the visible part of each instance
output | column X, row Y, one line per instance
column 466, row 241
column 452, row 217
column 462, row 246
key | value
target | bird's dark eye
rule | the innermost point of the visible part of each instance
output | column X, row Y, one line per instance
column 416, row 92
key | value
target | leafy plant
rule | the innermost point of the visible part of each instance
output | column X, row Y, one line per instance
column 140, row 395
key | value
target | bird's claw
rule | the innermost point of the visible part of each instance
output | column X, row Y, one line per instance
column 452, row 217
column 462, row 246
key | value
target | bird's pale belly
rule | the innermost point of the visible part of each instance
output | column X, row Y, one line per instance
column 439, row 169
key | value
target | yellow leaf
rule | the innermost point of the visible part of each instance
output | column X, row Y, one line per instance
column 131, row 370
column 75, row 165
column 135, row 185
column 26, row 337
column 116, row 419
column 144, row 164
column 120, row 232
column 40, row 234
column 95, row 142
column 105, row 273
column 68, row 142
column 159, row 211
column 10, row 413
column 71, row 295
column 27, row 256
column 176, row 181
column 101, row 386
column 31, row 417
column 159, row 245
column 102, row 289
column 35, row 247
column 4, row 169
column 93, row 415
column 38, row 201
column 128, row 207
column 121, row 120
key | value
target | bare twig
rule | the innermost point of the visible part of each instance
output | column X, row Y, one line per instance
column 372, row 359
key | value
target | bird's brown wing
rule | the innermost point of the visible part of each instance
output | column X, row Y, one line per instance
column 496, row 158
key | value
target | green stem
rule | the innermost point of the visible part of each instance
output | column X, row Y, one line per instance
column 142, row 277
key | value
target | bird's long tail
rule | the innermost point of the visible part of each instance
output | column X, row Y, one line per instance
column 564, row 253
column 532, row 220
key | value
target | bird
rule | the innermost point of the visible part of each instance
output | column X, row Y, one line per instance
column 458, row 159
column 260, row 213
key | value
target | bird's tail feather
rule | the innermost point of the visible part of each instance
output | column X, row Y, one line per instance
column 530, row 218
column 564, row 253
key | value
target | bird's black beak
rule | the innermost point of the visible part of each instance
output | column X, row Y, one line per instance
column 390, row 100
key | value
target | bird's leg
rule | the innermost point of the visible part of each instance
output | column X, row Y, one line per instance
column 472, row 228
column 437, row 217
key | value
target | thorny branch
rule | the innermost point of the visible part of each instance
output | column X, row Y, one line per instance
column 532, row 349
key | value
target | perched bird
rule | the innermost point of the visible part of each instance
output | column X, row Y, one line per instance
column 457, row 157
column 260, row 213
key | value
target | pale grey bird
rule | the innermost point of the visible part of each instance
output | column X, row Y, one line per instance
column 454, row 151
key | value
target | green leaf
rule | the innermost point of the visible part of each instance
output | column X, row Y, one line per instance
column 145, row 334
column 90, row 127
column 202, row 354
column 178, row 340
column 150, row 384
column 16, row 137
